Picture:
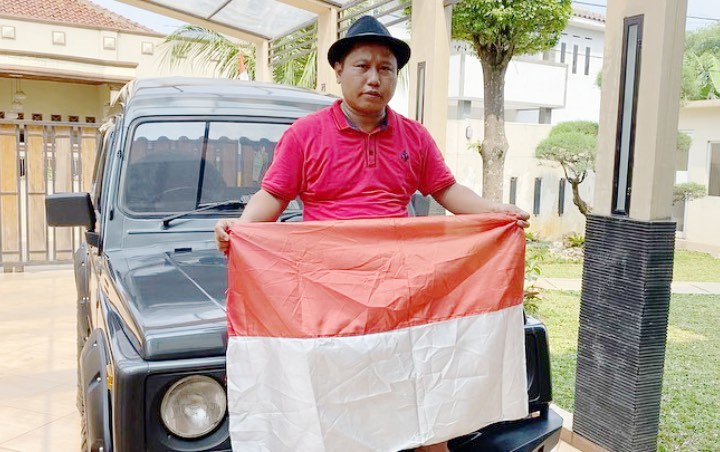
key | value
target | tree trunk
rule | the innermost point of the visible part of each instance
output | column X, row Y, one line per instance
column 494, row 145
column 577, row 200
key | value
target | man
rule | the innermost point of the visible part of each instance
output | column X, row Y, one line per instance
column 358, row 158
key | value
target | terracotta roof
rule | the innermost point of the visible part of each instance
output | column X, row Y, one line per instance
column 70, row 12
column 585, row 14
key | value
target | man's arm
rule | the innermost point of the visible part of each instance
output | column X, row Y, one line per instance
column 459, row 199
column 263, row 206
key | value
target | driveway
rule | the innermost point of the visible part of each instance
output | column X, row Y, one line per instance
column 37, row 361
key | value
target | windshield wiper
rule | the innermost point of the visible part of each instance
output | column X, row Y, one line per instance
column 233, row 203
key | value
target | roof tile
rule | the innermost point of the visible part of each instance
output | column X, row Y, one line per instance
column 590, row 15
column 70, row 12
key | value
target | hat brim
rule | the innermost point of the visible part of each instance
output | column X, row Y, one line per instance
column 342, row 46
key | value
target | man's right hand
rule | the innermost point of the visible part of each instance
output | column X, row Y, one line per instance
column 222, row 238
column 263, row 206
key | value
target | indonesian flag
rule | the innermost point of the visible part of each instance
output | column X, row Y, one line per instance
column 374, row 335
column 241, row 69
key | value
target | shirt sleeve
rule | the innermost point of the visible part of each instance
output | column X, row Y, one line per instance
column 284, row 177
column 435, row 174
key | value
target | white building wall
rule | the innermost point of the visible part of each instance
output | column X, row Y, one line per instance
column 531, row 82
column 74, row 50
column 73, row 70
column 521, row 163
column 701, row 119
column 49, row 98
column 582, row 100
column 528, row 82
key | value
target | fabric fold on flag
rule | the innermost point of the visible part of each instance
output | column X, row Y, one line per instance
column 374, row 335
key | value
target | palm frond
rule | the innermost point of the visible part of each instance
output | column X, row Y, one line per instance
column 308, row 78
column 195, row 45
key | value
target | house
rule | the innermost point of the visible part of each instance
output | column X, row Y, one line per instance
column 56, row 50
column 540, row 90
column 696, row 219
column 60, row 63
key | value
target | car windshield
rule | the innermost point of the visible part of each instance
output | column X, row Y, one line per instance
column 178, row 166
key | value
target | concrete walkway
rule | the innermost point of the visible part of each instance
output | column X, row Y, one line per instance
column 679, row 287
column 37, row 362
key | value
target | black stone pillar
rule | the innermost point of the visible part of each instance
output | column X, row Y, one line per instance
column 623, row 326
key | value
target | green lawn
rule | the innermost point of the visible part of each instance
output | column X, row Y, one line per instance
column 690, row 412
column 694, row 266
column 689, row 266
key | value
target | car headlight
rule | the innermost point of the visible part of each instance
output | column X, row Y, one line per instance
column 193, row 406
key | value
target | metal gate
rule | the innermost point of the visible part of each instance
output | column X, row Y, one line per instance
column 37, row 159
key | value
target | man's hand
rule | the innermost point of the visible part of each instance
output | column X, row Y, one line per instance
column 222, row 238
column 459, row 199
column 521, row 215
column 263, row 206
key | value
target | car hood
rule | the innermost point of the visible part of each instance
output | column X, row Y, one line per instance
column 176, row 300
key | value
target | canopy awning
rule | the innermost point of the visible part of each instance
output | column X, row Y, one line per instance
column 258, row 19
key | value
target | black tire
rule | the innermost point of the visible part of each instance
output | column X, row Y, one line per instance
column 83, row 430
column 81, row 337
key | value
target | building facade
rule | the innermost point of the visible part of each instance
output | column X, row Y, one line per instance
column 696, row 219
column 540, row 91
column 60, row 63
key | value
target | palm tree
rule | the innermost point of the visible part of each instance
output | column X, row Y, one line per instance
column 199, row 45
column 701, row 75
column 294, row 58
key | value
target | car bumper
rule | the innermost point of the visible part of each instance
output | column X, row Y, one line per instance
column 529, row 435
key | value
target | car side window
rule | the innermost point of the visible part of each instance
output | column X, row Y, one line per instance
column 100, row 165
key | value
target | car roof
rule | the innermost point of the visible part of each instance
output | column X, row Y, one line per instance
column 214, row 96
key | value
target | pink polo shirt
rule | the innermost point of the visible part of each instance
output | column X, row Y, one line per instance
column 340, row 172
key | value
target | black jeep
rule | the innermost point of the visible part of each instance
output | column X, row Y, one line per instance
column 177, row 155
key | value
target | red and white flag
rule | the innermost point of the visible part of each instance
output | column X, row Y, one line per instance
column 374, row 335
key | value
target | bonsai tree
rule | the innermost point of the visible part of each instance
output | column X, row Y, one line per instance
column 688, row 191
column 684, row 141
column 573, row 145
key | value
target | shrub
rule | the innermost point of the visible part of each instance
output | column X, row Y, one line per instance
column 574, row 240
column 531, row 293
column 688, row 191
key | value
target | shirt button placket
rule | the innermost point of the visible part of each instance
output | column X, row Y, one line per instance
column 372, row 153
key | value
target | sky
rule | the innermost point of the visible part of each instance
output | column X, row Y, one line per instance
column 700, row 13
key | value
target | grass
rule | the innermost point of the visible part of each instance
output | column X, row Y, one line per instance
column 689, row 266
column 695, row 266
column 690, row 410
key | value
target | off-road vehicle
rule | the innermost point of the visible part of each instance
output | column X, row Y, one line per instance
column 176, row 156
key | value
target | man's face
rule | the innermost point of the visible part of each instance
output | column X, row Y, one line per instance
column 368, row 77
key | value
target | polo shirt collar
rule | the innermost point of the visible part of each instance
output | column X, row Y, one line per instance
column 343, row 124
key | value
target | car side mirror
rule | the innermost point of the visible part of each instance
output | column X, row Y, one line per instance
column 70, row 209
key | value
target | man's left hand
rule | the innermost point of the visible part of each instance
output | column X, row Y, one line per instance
column 522, row 216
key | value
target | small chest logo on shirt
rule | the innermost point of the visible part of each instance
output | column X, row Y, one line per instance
column 404, row 156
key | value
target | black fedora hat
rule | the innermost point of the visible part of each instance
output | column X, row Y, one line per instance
column 369, row 29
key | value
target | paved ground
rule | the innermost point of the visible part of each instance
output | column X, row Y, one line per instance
column 37, row 362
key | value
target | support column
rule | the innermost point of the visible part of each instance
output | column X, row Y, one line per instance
column 327, row 33
column 629, row 238
column 428, row 66
column 263, row 71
